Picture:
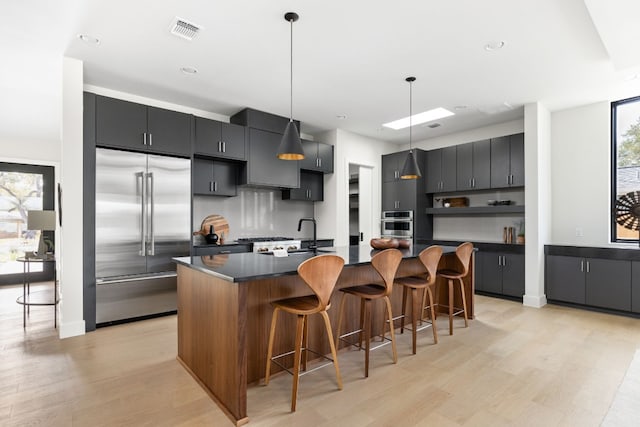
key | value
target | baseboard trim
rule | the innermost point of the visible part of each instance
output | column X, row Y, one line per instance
column 71, row 329
column 534, row 301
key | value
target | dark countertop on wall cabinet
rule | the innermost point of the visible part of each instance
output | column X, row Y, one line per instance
column 243, row 267
column 628, row 254
column 480, row 246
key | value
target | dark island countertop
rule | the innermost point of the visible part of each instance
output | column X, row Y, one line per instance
column 243, row 267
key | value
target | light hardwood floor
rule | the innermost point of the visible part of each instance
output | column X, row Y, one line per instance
column 513, row 366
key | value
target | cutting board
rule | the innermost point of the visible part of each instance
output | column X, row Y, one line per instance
column 220, row 225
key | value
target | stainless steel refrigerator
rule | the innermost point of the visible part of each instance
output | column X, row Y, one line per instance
column 142, row 221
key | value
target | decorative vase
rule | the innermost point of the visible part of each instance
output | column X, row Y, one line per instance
column 520, row 240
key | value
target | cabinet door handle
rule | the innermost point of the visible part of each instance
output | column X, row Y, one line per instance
column 144, row 138
column 224, row 146
column 587, row 266
column 474, row 182
column 582, row 266
column 210, row 185
column 219, row 146
column 319, row 162
column 224, row 252
column 215, row 186
column 499, row 260
column 150, row 139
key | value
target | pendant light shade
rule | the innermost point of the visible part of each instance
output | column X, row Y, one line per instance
column 291, row 147
column 410, row 170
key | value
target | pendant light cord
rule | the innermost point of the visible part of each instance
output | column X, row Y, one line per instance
column 291, row 74
column 410, row 112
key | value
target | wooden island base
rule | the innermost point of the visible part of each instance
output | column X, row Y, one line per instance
column 223, row 326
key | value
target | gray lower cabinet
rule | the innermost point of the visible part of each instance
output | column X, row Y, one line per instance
column 608, row 283
column 603, row 283
column 263, row 166
column 218, row 139
column 214, row 178
column 220, row 250
column 131, row 126
column 311, row 188
column 501, row 273
column 635, row 286
column 565, row 278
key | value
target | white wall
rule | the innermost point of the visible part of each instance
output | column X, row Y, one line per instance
column 333, row 213
column 580, row 172
column 537, row 141
column 71, row 253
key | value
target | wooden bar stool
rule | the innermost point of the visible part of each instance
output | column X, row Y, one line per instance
column 320, row 273
column 463, row 255
column 430, row 257
column 386, row 264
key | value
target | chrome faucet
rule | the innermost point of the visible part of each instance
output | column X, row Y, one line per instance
column 314, row 246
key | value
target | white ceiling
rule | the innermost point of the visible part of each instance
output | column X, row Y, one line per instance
column 350, row 58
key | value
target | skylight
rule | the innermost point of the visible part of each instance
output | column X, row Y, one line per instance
column 416, row 119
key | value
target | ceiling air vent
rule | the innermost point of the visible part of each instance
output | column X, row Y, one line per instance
column 434, row 125
column 185, row 29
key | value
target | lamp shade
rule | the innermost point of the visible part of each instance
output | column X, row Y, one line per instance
column 291, row 146
column 41, row 220
column 410, row 170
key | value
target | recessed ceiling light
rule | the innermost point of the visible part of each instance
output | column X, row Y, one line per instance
column 416, row 119
column 189, row 70
column 88, row 39
column 494, row 45
column 341, row 116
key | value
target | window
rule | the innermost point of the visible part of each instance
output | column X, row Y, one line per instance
column 625, row 160
column 23, row 188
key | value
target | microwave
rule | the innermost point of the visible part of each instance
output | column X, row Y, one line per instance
column 397, row 224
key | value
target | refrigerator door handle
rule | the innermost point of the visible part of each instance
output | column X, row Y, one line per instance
column 152, row 237
column 143, row 214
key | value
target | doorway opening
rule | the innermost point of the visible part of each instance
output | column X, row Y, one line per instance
column 360, row 203
column 23, row 187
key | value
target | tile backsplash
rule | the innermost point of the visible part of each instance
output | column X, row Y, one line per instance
column 255, row 212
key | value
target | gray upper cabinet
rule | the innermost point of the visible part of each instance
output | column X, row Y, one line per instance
column 507, row 161
column 214, row 178
column 399, row 195
column 218, row 139
column 392, row 166
column 318, row 157
column 131, row 126
column 263, row 166
column 311, row 188
column 441, row 170
column 473, row 164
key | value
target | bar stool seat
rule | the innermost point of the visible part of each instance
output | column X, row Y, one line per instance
column 463, row 255
column 320, row 273
column 429, row 257
column 386, row 264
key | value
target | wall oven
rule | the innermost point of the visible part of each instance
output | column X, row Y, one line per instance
column 398, row 224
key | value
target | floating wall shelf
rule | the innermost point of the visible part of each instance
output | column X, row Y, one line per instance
column 476, row 210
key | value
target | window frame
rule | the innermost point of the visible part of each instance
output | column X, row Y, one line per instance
column 614, row 168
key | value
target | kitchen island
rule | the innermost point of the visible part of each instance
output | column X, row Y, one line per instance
column 224, row 312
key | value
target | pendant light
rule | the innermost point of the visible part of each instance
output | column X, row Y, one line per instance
column 291, row 147
column 410, row 170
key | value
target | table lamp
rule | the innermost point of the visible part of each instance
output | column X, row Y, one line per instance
column 43, row 221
